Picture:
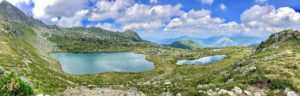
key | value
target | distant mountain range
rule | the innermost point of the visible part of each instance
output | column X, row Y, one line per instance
column 218, row 41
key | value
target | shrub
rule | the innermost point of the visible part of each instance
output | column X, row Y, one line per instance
column 280, row 84
column 256, row 79
column 12, row 85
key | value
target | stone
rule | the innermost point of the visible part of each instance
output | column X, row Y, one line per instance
column 42, row 95
column 259, row 94
column 248, row 93
column 211, row 92
column 167, row 83
column 230, row 80
column 237, row 90
column 178, row 94
column 222, row 91
column 1, row 68
column 290, row 92
column 83, row 91
column 204, row 86
column 27, row 81
column 166, row 94
column 201, row 91
column 251, row 68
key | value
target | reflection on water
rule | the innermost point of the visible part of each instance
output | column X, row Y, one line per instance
column 90, row 63
column 201, row 61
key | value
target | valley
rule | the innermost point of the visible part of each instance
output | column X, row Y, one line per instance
column 271, row 68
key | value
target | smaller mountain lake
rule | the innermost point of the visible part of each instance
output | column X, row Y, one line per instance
column 90, row 63
column 201, row 61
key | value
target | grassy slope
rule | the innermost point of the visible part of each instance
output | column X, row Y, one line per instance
column 21, row 56
column 274, row 61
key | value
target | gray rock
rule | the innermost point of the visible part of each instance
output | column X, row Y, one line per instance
column 222, row 91
column 167, row 83
column 237, row 90
column 1, row 68
column 166, row 94
column 251, row 68
column 42, row 95
column 248, row 93
column 83, row 91
column 290, row 92
column 211, row 92
column 260, row 94
column 27, row 81
column 204, row 86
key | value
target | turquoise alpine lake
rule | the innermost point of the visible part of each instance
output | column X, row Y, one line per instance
column 201, row 61
column 91, row 63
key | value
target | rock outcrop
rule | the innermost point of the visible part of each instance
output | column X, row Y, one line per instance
column 83, row 91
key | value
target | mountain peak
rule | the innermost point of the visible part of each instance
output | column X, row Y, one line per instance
column 5, row 2
column 281, row 36
column 284, row 35
column 129, row 31
column 10, row 13
column 133, row 34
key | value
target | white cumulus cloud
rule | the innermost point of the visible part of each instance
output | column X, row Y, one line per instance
column 201, row 23
column 73, row 21
column 144, row 26
column 106, row 26
column 16, row 2
column 222, row 6
column 266, row 19
column 133, row 15
column 260, row 1
column 48, row 9
column 153, row 1
column 106, row 9
column 163, row 20
column 206, row 1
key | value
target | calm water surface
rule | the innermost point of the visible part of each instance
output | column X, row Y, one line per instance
column 201, row 61
column 90, row 63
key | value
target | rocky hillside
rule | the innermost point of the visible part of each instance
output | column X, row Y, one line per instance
column 10, row 13
column 271, row 70
column 54, row 38
column 186, row 44
column 274, row 66
column 282, row 36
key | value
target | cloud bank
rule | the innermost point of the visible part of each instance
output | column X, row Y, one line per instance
column 163, row 20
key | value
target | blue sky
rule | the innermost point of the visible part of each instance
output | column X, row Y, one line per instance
column 161, row 19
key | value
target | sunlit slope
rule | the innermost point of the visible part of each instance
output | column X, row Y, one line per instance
column 16, row 54
column 77, row 39
column 277, row 61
